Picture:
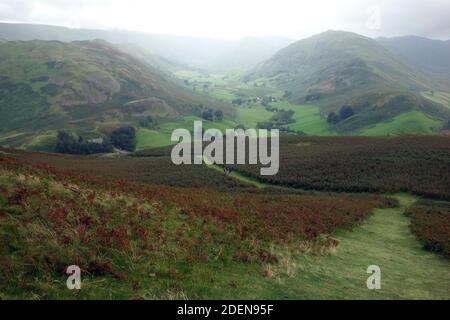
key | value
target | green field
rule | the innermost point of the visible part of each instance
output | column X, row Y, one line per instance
column 307, row 119
column 250, row 116
column 439, row 97
column 407, row 123
column 158, row 138
column 147, row 139
column 228, row 87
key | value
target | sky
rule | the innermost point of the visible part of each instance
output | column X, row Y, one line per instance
column 240, row 18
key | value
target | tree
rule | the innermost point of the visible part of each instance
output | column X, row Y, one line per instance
column 65, row 142
column 287, row 94
column 447, row 125
column 124, row 138
column 71, row 144
column 208, row 115
column 345, row 112
column 218, row 115
column 333, row 118
column 148, row 122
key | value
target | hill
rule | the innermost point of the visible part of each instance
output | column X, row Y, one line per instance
column 82, row 86
column 194, row 52
column 336, row 69
column 429, row 56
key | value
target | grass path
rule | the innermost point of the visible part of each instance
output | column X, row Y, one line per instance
column 241, row 177
column 407, row 270
column 384, row 239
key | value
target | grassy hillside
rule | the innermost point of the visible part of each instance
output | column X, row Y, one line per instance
column 85, row 87
column 334, row 69
column 406, row 123
column 397, row 112
column 430, row 56
column 197, row 52
column 136, row 241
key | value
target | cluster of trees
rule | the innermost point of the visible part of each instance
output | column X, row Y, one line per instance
column 446, row 125
column 287, row 94
column 122, row 138
column 148, row 122
column 344, row 113
column 72, row 144
column 267, row 100
column 211, row 115
column 240, row 101
column 280, row 118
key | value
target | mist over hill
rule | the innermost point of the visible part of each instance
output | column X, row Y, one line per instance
column 194, row 52
column 357, row 82
column 248, row 52
column 431, row 57
column 84, row 86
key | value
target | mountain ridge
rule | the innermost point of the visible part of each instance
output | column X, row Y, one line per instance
column 336, row 69
column 84, row 86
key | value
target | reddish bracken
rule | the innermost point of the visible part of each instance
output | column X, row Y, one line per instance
column 96, row 217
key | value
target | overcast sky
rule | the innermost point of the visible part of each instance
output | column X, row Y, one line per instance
column 240, row 18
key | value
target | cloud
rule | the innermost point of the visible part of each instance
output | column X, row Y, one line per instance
column 237, row 18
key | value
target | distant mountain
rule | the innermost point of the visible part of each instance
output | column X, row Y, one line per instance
column 162, row 64
column 248, row 52
column 188, row 51
column 429, row 56
column 83, row 85
column 336, row 69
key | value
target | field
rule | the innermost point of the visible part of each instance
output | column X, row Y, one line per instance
column 307, row 119
column 439, row 97
column 147, row 139
column 228, row 88
column 250, row 116
column 406, row 123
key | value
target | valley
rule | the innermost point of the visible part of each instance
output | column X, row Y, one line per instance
column 367, row 91
column 87, row 178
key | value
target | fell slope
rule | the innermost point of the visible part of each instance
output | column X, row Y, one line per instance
column 337, row 68
column 430, row 56
column 50, row 85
